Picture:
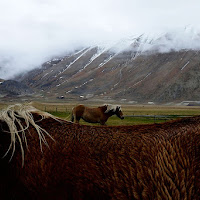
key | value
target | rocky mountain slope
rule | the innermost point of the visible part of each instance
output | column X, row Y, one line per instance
column 129, row 75
column 12, row 88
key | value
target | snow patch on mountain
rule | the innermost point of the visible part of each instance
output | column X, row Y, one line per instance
column 187, row 38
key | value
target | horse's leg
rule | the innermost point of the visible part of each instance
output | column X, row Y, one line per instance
column 102, row 123
column 72, row 117
column 76, row 119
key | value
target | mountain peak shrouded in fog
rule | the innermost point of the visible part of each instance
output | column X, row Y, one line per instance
column 182, row 39
column 132, row 75
column 33, row 32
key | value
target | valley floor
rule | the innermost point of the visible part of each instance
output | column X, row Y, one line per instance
column 134, row 114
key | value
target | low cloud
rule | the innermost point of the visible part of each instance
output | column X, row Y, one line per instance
column 32, row 31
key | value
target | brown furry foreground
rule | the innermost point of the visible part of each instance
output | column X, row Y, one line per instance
column 159, row 161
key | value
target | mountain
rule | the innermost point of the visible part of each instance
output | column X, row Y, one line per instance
column 136, row 69
column 13, row 88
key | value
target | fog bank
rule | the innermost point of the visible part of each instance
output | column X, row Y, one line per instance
column 33, row 31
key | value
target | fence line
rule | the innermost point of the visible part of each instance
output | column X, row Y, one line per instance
column 154, row 117
column 55, row 109
column 159, row 117
column 65, row 109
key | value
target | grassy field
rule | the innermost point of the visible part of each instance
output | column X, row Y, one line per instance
column 171, row 112
column 63, row 110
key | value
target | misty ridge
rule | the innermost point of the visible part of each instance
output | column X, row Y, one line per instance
column 34, row 32
column 19, row 62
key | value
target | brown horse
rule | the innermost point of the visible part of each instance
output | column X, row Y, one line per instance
column 64, row 160
column 95, row 115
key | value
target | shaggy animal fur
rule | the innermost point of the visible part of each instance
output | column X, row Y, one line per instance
column 11, row 117
column 159, row 161
column 95, row 115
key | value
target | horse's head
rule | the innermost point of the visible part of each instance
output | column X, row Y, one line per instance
column 118, row 112
column 115, row 110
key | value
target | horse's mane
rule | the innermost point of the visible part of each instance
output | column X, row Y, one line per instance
column 112, row 107
column 18, row 118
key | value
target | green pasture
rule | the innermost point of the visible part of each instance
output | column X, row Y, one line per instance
column 136, row 114
column 112, row 120
column 151, row 114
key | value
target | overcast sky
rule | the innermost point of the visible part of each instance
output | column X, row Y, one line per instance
column 31, row 31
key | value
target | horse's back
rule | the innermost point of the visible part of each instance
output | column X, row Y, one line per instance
column 91, row 115
column 78, row 110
